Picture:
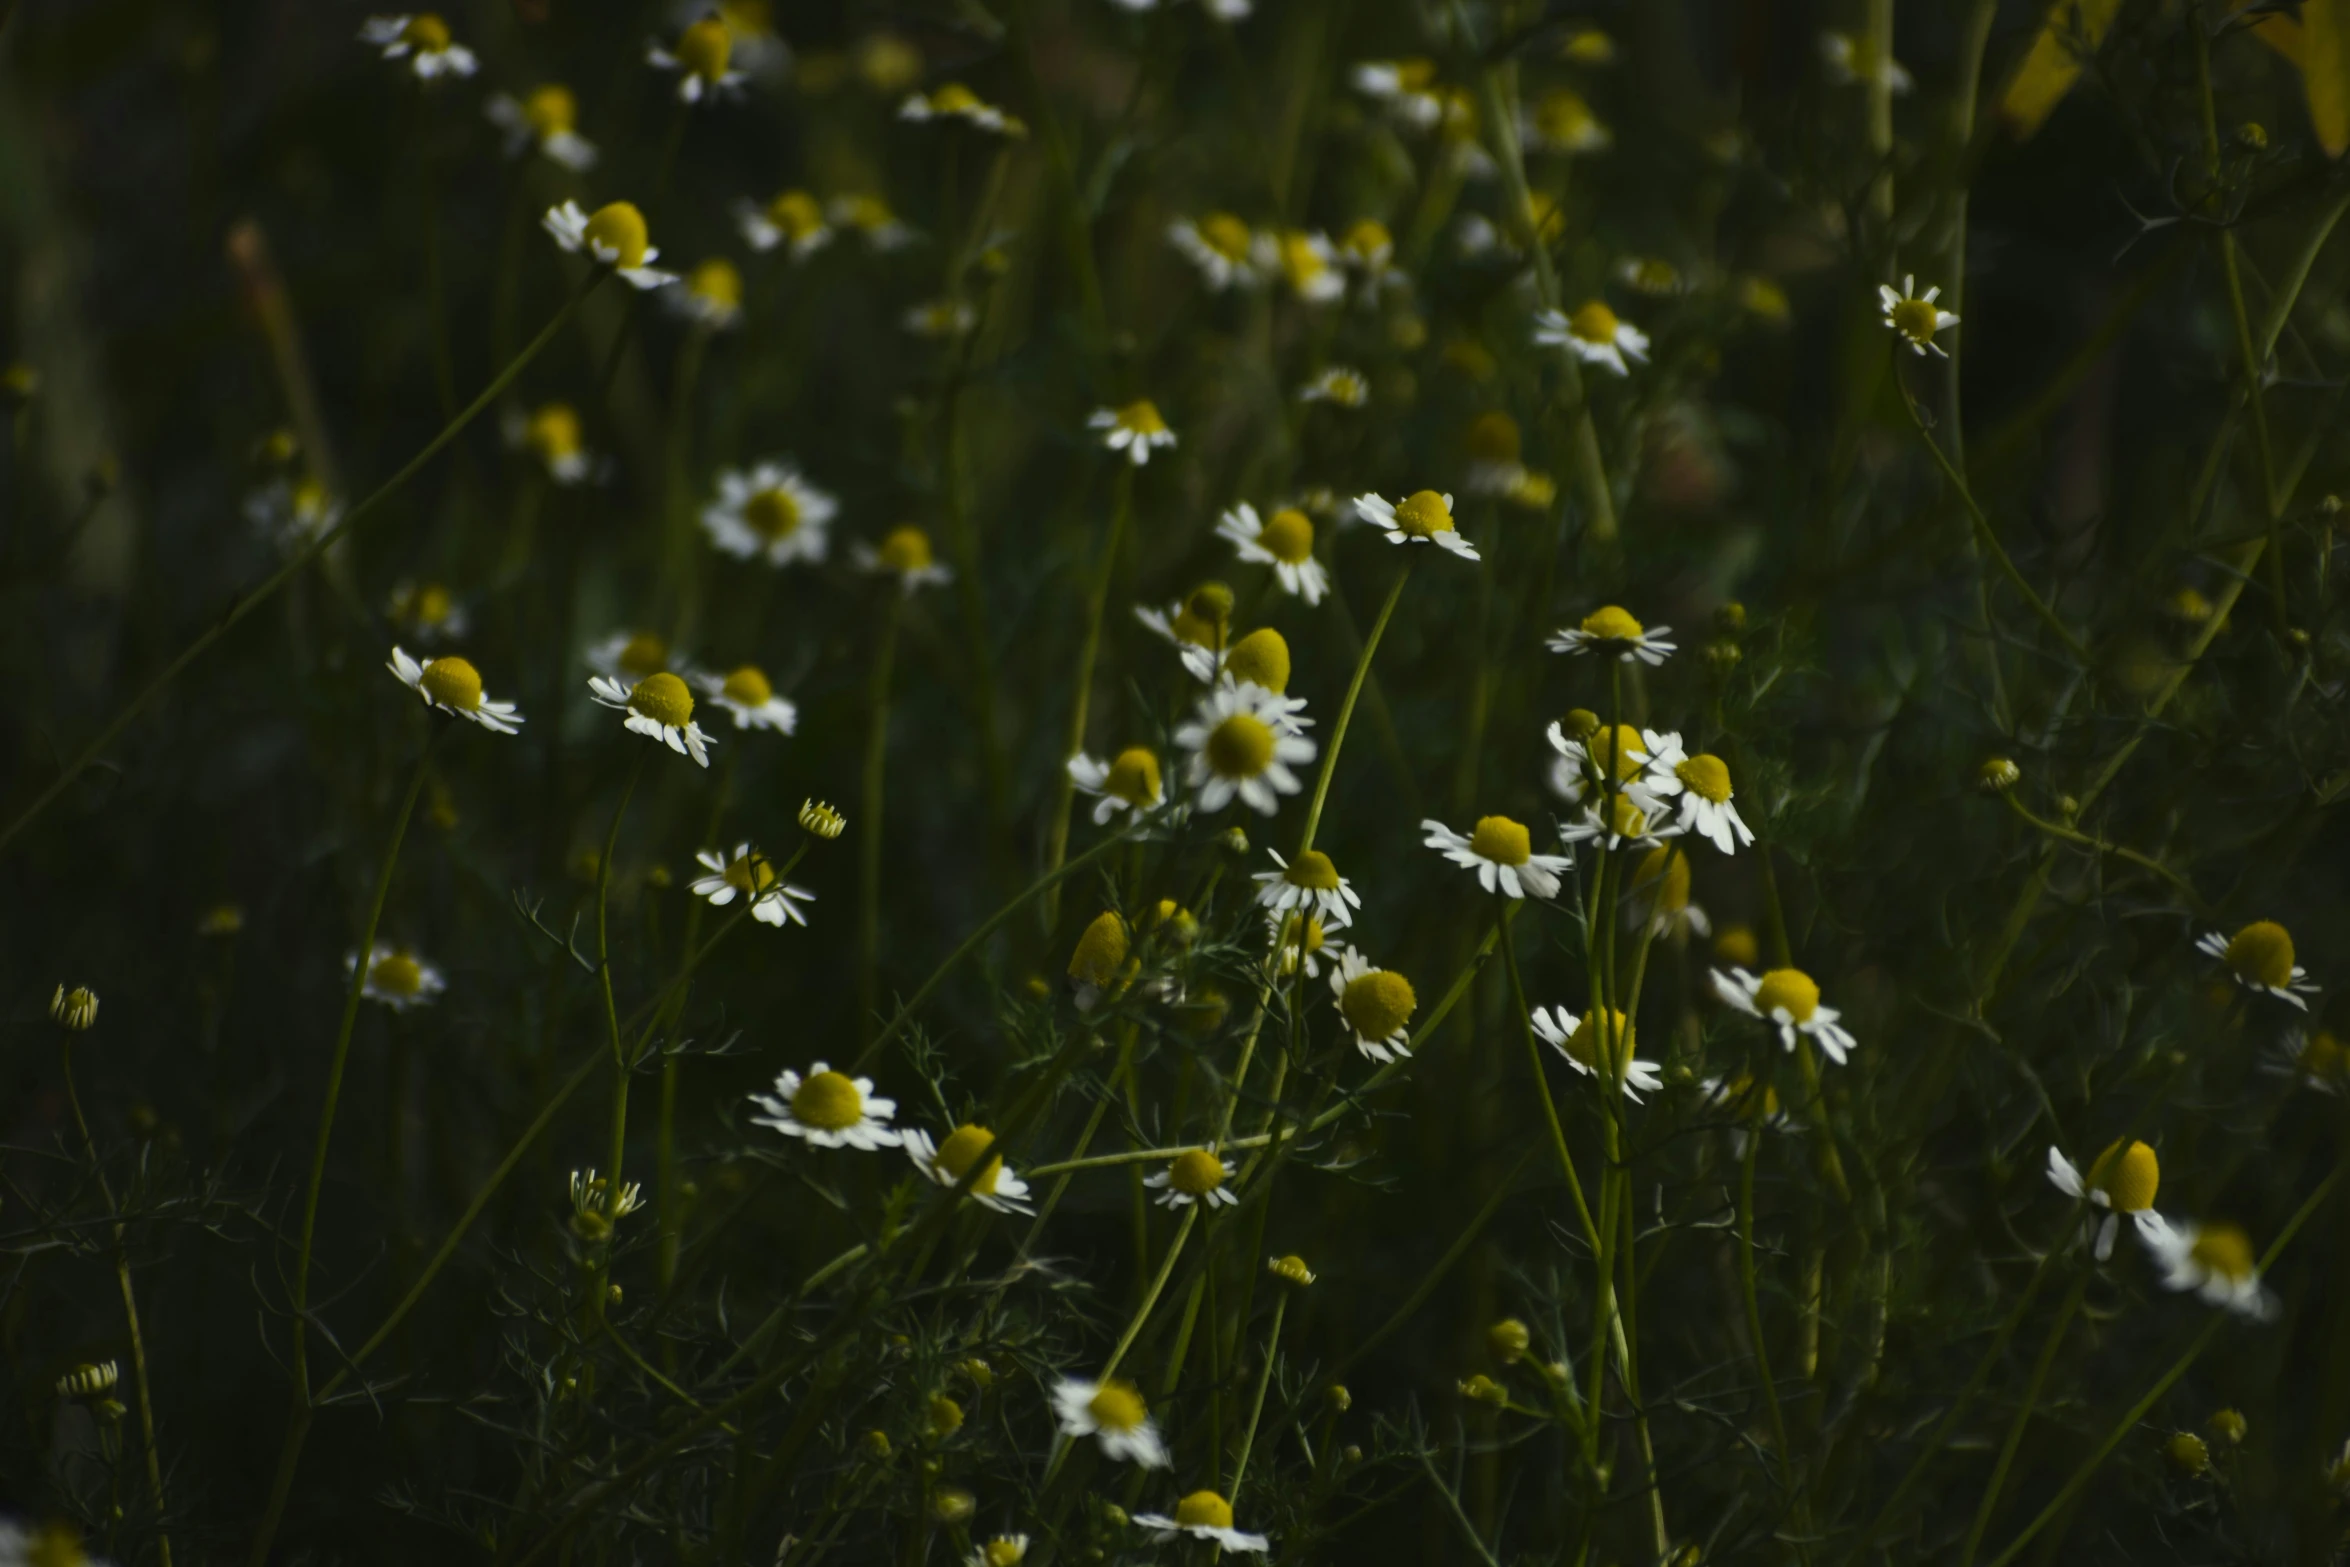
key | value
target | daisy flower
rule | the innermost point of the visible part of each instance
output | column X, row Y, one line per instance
column 752, row 874
column 2260, row 956
column 1194, row 1175
column 1404, row 87
column 948, row 1162
column 1702, row 783
column 631, row 656
column 1561, row 121
column 423, row 41
column 704, row 51
column 792, row 219
column 1849, row 60
column 1609, row 629
column 659, row 707
column 1338, row 386
column 428, row 610
column 1494, row 445
column 1367, row 250
column 1620, row 823
column 1283, row 541
column 615, row 235
column 1220, row 245
column 1501, row 852
column 1261, row 659
column 2319, row 1060
column 1595, row 335
column 543, row 120
column 2216, row 1262
column 1588, row 749
column 1375, row 1004
column 1005, row 1550
column 770, row 512
column 1423, row 517
column 954, row 101
column 397, row 977
column 1113, row 1413
column 1306, row 261
column 1241, row 744
column 939, row 318
column 1294, row 948
column 1790, row 999
column 749, row 699
column 1660, row 895
column 454, row 686
column 712, row 296
column 2123, row 1180
column 551, row 433
column 1651, row 275
column 292, row 512
column 905, row 554
column 1099, row 966
column 1203, row 1515
column 869, row 217
column 1914, row 317
column 1578, row 1039
column 1128, row 781
column 1196, row 625
column 1135, row 429
column 1310, row 884
column 828, row 1109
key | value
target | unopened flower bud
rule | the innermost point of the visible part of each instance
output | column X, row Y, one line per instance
column 1340, row 1399
column 953, row 1504
column 2187, row 1454
column 821, row 820
column 1509, row 1339
column 74, row 1009
column 1292, row 1269
column 2228, row 1426
column 1482, row 1389
column 1998, row 774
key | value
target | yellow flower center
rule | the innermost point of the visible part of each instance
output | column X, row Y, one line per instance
column 1611, row 623
column 1663, row 874
column 1706, row 776
column 1377, row 1005
column 1260, row 658
column 1493, row 437
column 2127, row 1176
column 1620, row 747
column 1915, row 319
column 1301, row 263
column 430, row 606
column 1628, row 820
column 1415, row 74
column 1204, row 1510
column 717, row 282
column 550, row 110
column 1174, row 923
column 309, row 499
column 828, row 1101
column 1226, row 235
column 1368, row 240
column 1501, row 840
column 772, row 514
column 2225, row 1250
column 1142, row 418
column 748, row 687
column 1563, row 117
column 2323, row 1056
column 1424, row 515
column 426, row 33
column 1004, row 1553
column 553, row 432
column 961, row 1147
column 1312, row 870
column 1240, row 747
column 1134, row 776
column 397, row 973
column 645, row 654
column 1788, row 990
column 1288, row 535
column 619, row 228
column 1312, row 940
column 1594, row 323
column 1736, row 945
column 945, row 1417
column 55, row 1545
column 1101, row 951
column 1653, row 276
column 751, row 873
column 1584, row 1043
column 747, row 18
column 954, row 98
column 1117, row 1406
column 796, row 213
column 1196, row 1171
column 2262, row 954
column 705, row 47
column 452, row 682
column 664, row 699
column 906, row 549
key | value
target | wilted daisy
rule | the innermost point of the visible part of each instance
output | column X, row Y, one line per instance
column 292, row 512
column 750, row 874
column 551, row 433
column 904, row 553
column 869, row 218
column 544, row 120
column 1422, row 517
column 1296, row 947
column 423, row 41
column 427, row 609
column 1850, row 60
column 2216, row 1262
column 2260, row 956
column 948, row 1162
column 1220, row 245
column 1005, row 1550
column 659, row 707
column 1283, row 541
column 1194, row 1175
column 1135, row 429
column 1611, row 630
column 1593, row 334
column 954, row 101
column 792, row 219
column 1306, row 261
column 1914, row 317
column 1702, row 784
column 1561, row 121
column 1790, row 999
column 397, row 977
column 1112, row 1412
column 1204, row 1515
column 1501, row 852
column 828, row 1109
column 1407, row 88
column 704, row 52
column 939, row 318
column 1375, row 1004
column 749, row 699
column 1310, row 883
column 615, row 235
column 2123, row 1180
column 769, row 512
column 1578, row 1039
column 1241, row 744
column 1338, row 386
column 454, row 686
column 1128, row 781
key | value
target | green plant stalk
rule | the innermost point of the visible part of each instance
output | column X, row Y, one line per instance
column 1346, row 708
column 681, row 582
column 1097, row 601
column 2023, row 1419
column 622, row 1065
column 869, row 829
column 1753, row 1303
column 1550, row 1111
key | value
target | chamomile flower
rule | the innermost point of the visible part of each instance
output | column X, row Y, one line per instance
column 2260, row 956
column 2318, row 1060
column 1128, row 781
column 1494, row 446
column 1311, row 884
column 397, row 977
column 828, row 1109
column 292, row 512
column 1659, row 895
column 1611, row 631
column 868, row 217
column 1594, row 334
column 1561, row 121
column 1850, row 60
column 1197, row 625
column 1406, row 88
column 1306, row 261
column 613, row 234
column 1100, row 965
column 748, row 872
column 428, row 610
column 1367, row 250
column 1422, row 517
column 701, row 61
column 1375, row 1004
column 904, row 553
column 1702, row 785
column 712, row 296
column 939, row 318
column 1194, row 1175
column 1283, row 541
column 2123, row 1180
column 1135, row 429
column 954, row 101
column 947, row 1163
column 1220, row 245
column 1618, row 824
column 1203, row 1515
column 1240, row 744
column 1589, row 751
column 2216, row 1262
column 1501, row 852
column 1914, row 317
column 770, row 512
column 1261, row 659
column 1789, row 999
column 1338, row 386
column 1578, row 1039
column 1296, row 948
column 1005, row 1550
column 659, row 707
column 454, row 686
column 544, row 120
column 1114, row 1414
column 793, row 220
column 423, row 41
column 551, row 433
column 749, row 699
column 631, row 656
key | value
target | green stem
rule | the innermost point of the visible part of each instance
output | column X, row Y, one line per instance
column 1753, row 1303
column 869, row 829
column 622, row 1066
column 2023, row 1419
column 1550, row 1110
column 1088, row 650
column 1346, row 708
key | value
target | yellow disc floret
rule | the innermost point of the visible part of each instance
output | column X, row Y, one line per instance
column 1584, row 1044
column 2128, row 1176
column 1705, row 776
column 550, row 110
column 1141, row 417
column 1788, row 990
column 1117, row 1406
column 1915, row 319
column 705, row 48
column 1134, row 776
column 452, row 682
column 1502, row 841
column 1225, row 234
column 1261, row 658
column 1204, row 1510
column 2262, row 954
column 796, row 213
column 1196, row 1172
column 1101, row 951
column 1377, row 1005
column 1312, row 870
column 1423, row 514
column 1240, row 747
column 643, row 654
column 1620, row 748
column 397, row 974
column 1594, row 323
column 828, row 1101
column 751, row 873
column 1663, row 875
column 961, row 1147
column 617, row 233
column 426, row 33
column 772, row 514
column 1493, row 437
column 1611, row 623
column 1288, row 536
column 748, row 687
column 2225, row 1250
column 664, row 699
column 553, row 432
column 716, row 282
column 906, row 549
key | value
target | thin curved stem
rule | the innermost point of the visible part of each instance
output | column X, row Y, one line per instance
column 1088, row 651
column 2023, row 1419
column 869, row 830
column 1346, row 709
